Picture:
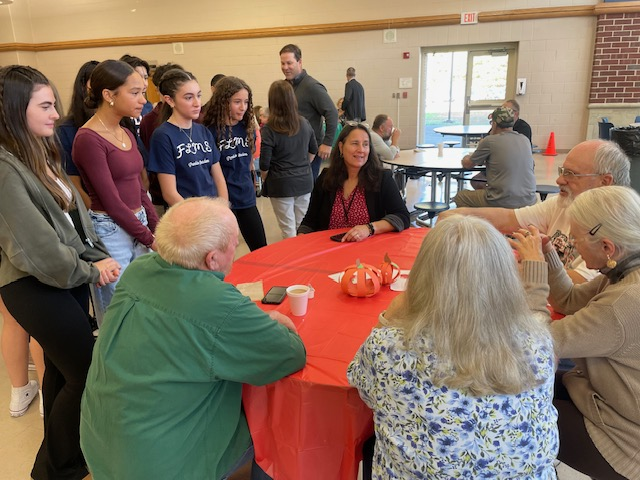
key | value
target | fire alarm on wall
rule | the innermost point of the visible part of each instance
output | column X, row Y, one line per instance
column 406, row 55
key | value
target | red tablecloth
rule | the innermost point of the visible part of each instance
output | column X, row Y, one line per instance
column 311, row 425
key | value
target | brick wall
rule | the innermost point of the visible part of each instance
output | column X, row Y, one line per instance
column 617, row 52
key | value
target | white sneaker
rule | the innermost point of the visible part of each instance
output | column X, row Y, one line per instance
column 22, row 397
column 41, row 403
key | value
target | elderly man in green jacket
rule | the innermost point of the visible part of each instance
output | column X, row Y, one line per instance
column 163, row 395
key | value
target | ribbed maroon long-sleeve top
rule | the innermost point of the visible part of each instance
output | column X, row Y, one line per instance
column 112, row 179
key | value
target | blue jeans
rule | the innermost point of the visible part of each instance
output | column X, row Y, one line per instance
column 122, row 247
column 315, row 167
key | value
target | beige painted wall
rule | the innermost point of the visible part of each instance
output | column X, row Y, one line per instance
column 78, row 19
column 15, row 23
column 554, row 54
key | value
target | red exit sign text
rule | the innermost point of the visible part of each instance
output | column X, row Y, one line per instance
column 467, row 18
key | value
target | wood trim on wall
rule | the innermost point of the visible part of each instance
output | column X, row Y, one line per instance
column 617, row 7
column 327, row 28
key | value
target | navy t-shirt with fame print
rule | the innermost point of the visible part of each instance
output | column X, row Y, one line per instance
column 235, row 160
column 189, row 159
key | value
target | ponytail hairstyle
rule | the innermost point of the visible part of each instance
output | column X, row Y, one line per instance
column 17, row 85
column 218, row 112
column 108, row 75
column 158, row 72
column 169, row 85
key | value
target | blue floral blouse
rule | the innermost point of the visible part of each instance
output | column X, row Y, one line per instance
column 426, row 432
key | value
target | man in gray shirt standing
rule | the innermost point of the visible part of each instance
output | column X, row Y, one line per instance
column 314, row 102
column 511, row 182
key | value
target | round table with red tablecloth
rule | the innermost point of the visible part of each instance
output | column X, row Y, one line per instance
column 311, row 425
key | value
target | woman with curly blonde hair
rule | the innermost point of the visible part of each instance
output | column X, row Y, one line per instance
column 230, row 119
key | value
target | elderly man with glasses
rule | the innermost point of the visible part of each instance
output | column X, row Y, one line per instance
column 590, row 164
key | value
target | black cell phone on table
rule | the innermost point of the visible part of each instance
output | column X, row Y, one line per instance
column 338, row 237
column 275, row 296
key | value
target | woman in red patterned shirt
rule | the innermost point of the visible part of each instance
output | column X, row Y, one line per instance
column 355, row 192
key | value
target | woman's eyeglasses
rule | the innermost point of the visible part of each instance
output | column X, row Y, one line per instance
column 563, row 172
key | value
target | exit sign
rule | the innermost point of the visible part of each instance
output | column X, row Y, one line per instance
column 468, row 18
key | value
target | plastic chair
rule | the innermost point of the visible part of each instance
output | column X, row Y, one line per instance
column 604, row 130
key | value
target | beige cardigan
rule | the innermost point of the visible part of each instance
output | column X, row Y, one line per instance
column 601, row 333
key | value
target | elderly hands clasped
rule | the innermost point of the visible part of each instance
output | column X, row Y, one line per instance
column 530, row 243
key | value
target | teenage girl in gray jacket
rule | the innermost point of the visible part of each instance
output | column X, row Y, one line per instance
column 49, row 255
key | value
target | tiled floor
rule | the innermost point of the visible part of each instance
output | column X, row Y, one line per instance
column 21, row 437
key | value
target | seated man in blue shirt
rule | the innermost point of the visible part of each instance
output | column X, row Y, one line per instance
column 163, row 394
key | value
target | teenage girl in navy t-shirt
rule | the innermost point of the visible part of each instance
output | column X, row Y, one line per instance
column 230, row 119
column 183, row 152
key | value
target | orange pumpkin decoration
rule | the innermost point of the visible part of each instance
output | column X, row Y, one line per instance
column 389, row 271
column 361, row 280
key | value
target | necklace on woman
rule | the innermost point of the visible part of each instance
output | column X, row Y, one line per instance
column 121, row 140
column 173, row 121
column 187, row 134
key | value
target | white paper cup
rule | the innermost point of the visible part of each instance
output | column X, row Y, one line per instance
column 441, row 149
column 298, row 299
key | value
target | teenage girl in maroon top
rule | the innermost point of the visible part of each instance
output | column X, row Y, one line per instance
column 110, row 166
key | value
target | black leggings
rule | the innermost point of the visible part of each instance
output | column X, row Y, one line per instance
column 251, row 227
column 58, row 319
column 576, row 447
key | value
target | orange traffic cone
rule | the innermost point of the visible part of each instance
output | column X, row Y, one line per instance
column 551, row 146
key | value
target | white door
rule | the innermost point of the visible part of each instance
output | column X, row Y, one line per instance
column 462, row 85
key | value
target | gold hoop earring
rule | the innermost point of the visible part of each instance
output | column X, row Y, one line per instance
column 611, row 263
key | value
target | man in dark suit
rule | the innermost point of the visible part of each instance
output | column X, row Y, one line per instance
column 353, row 103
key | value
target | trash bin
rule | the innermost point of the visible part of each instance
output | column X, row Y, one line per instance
column 629, row 140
